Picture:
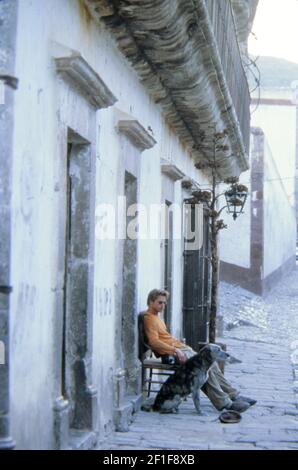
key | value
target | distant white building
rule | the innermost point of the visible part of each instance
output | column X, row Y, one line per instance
column 268, row 228
column 295, row 102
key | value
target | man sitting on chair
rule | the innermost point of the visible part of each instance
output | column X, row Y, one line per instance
column 219, row 391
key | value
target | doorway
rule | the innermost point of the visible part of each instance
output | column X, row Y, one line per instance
column 129, row 288
column 168, row 261
column 77, row 306
column 196, row 286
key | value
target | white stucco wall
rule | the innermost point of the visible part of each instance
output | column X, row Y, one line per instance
column 47, row 29
column 276, row 116
column 279, row 218
column 278, row 227
column 278, row 123
column 234, row 242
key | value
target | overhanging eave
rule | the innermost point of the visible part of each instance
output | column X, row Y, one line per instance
column 172, row 47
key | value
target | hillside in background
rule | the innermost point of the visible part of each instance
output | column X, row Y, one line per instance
column 275, row 72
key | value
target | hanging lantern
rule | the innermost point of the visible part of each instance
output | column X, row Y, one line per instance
column 236, row 196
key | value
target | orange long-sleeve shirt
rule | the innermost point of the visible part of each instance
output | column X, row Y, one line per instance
column 160, row 340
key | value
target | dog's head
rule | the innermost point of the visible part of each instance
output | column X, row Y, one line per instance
column 213, row 352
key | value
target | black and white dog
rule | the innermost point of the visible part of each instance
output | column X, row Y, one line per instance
column 188, row 378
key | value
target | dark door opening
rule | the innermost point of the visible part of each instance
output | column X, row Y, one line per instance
column 76, row 308
column 129, row 286
column 196, row 287
column 168, row 260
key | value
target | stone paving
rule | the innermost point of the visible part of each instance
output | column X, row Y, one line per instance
column 262, row 334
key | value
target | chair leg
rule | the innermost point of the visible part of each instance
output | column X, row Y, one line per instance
column 149, row 383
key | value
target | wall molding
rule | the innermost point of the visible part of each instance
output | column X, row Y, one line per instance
column 76, row 71
column 136, row 133
column 172, row 171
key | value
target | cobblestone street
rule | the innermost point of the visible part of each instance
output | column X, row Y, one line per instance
column 261, row 332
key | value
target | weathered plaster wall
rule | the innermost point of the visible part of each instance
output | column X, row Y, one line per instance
column 276, row 115
column 278, row 122
column 8, row 33
column 269, row 237
column 271, row 244
column 45, row 106
column 279, row 218
column 235, row 240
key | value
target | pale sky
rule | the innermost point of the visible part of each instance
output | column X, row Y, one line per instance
column 276, row 30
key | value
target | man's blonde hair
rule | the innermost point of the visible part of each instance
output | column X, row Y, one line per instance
column 155, row 293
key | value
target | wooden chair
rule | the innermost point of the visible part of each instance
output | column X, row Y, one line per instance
column 152, row 368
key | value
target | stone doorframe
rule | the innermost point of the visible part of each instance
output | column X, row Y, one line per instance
column 81, row 93
column 8, row 33
column 170, row 174
column 133, row 139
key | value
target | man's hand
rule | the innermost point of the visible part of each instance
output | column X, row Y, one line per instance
column 181, row 357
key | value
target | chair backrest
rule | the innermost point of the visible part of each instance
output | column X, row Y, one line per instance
column 143, row 340
column 149, row 378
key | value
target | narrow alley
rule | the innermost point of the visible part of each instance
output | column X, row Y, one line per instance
column 262, row 333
